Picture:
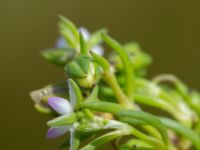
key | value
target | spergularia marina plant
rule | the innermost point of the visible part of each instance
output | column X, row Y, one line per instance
column 106, row 99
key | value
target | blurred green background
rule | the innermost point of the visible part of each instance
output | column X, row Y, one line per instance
column 169, row 30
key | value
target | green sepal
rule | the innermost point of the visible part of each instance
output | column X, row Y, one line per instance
column 84, row 62
column 84, row 71
column 73, row 70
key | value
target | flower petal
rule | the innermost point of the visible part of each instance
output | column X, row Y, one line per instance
column 61, row 43
column 98, row 50
column 60, row 105
column 57, row 131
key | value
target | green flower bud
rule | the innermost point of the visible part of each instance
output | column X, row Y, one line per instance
column 84, row 71
column 139, row 59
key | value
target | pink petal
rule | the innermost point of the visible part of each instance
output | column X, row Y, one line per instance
column 57, row 131
column 60, row 105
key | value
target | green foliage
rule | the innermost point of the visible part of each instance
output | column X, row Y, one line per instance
column 107, row 95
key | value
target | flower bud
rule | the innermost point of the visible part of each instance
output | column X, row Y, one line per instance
column 84, row 71
column 139, row 59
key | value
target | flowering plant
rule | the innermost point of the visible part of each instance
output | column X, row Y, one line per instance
column 108, row 99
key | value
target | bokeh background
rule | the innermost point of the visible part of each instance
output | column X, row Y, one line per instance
column 168, row 29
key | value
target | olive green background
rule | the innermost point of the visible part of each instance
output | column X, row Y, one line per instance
column 168, row 29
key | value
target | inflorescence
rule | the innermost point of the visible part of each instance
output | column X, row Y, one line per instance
column 106, row 98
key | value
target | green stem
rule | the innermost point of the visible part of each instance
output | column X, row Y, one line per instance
column 121, row 97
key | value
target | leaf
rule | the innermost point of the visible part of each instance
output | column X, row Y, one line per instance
column 148, row 119
column 69, row 31
column 154, row 102
column 74, row 94
column 103, row 106
column 125, row 60
column 102, row 140
column 180, row 129
column 95, row 38
column 101, row 61
column 58, row 56
column 63, row 120
column 83, row 46
column 133, row 121
column 135, row 144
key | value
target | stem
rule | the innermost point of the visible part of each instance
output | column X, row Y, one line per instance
column 121, row 97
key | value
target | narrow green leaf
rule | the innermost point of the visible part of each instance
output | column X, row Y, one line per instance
column 125, row 60
column 133, row 121
column 69, row 32
column 135, row 144
column 83, row 46
column 180, row 129
column 74, row 94
column 58, row 56
column 95, row 38
column 63, row 120
column 154, row 102
column 66, row 34
column 103, row 106
column 102, row 140
column 148, row 119
column 70, row 25
column 101, row 61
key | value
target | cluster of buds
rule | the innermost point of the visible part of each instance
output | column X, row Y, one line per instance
column 83, row 70
column 102, row 98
